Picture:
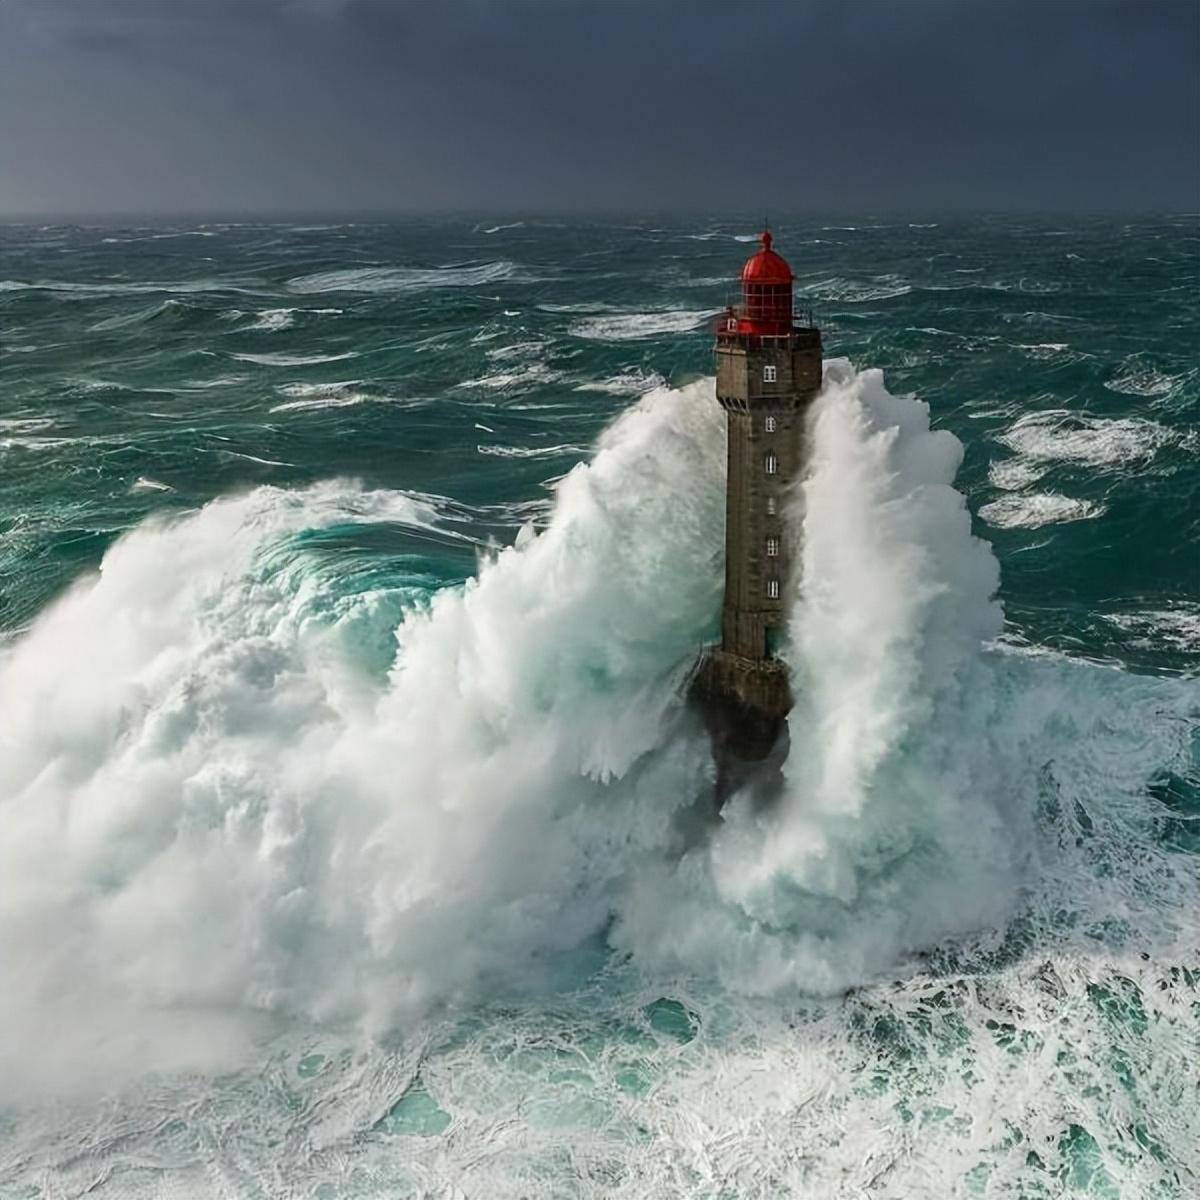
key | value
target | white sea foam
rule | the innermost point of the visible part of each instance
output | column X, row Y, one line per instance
column 1078, row 437
column 631, row 326
column 24, row 425
column 584, row 307
column 33, row 444
column 531, row 451
column 157, row 237
column 519, row 378
column 1137, row 378
column 1032, row 510
column 254, row 458
column 1012, row 474
column 633, row 381
column 1050, row 351
column 322, row 395
column 1178, row 626
column 203, row 385
column 272, row 319
column 531, row 347
column 145, row 484
column 849, row 291
column 140, row 317
column 402, row 279
column 115, row 288
column 1038, row 287
column 294, row 360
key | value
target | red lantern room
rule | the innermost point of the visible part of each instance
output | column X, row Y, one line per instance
column 766, row 307
column 767, row 291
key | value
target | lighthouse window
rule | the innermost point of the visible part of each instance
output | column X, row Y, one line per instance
column 771, row 464
column 770, row 506
column 772, row 589
column 769, row 424
column 772, row 547
column 768, row 374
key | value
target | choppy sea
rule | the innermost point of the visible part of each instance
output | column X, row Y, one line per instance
column 352, row 837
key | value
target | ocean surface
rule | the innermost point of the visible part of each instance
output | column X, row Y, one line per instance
column 352, row 839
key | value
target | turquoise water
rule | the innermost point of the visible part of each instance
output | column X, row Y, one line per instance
column 349, row 850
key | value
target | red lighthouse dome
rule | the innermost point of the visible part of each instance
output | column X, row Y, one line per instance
column 766, row 266
column 767, row 291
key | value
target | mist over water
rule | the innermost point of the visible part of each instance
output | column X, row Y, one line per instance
column 351, row 821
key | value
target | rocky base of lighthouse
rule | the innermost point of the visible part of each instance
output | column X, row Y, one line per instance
column 744, row 703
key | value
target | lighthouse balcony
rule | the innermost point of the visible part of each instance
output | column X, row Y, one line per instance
column 753, row 321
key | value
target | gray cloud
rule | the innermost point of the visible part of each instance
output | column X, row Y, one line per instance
column 160, row 106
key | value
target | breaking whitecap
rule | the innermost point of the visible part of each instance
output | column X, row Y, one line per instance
column 632, row 326
column 532, row 451
column 1013, row 474
column 520, row 378
column 271, row 320
column 1034, row 509
column 1137, row 378
column 1062, row 435
column 631, row 382
column 1178, row 626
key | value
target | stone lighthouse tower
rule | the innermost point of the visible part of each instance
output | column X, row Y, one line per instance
column 768, row 372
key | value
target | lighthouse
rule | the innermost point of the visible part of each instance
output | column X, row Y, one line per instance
column 768, row 360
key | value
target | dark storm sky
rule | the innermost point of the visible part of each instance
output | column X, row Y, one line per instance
column 189, row 106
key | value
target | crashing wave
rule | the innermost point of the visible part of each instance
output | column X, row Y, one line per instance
column 243, row 780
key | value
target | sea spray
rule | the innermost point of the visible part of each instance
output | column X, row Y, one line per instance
column 210, row 803
column 891, row 832
column 216, row 806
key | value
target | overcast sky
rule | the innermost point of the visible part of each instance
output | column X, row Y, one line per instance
column 323, row 106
